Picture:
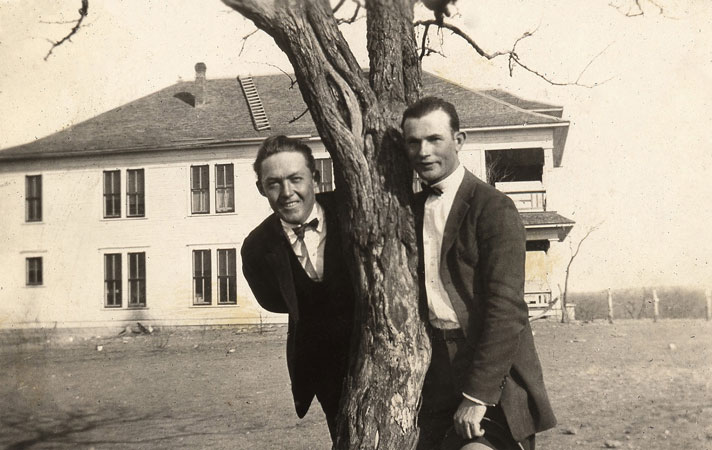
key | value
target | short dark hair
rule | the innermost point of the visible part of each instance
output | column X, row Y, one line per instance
column 278, row 144
column 426, row 105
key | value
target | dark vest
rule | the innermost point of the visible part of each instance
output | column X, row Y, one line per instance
column 327, row 302
column 326, row 309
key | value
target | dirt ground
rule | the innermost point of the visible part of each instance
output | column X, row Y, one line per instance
column 634, row 384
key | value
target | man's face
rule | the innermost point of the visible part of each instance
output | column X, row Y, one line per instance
column 289, row 185
column 432, row 145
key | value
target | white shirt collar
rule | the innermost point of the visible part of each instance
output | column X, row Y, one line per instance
column 451, row 183
column 316, row 213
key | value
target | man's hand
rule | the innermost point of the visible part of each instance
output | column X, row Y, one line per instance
column 467, row 419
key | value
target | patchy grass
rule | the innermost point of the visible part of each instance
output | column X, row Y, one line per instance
column 620, row 382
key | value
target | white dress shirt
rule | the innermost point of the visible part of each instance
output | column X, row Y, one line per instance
column 314, row 240
column 437, row 210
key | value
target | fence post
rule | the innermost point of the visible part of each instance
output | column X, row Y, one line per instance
column 708, row 310
column 610, row 306
column 656, row 307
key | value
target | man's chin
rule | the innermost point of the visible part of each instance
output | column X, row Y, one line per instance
column 291, row 217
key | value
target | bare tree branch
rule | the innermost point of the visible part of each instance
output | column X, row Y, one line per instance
column 244, row 40
column 292, row 81
column 83, row 11
column 353, row 17
column 338, row 6
column 636, row 8
column 564, row 293
column 294, row 119
column 512, row 54
column 57, row 22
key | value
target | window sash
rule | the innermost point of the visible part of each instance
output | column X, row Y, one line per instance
column 200, row 189
column 34, row 271
column 137, row 279
column 33, row 198
column 112, row 193
column 224, row 188
column 135, row 198
column 326, row 174
column 202, row 289
column 227, row 276
column 112, row 280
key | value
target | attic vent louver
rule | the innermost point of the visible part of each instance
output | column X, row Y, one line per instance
column 257, row 110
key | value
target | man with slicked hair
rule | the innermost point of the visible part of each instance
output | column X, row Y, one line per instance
column 293, row 264
column 484, row 387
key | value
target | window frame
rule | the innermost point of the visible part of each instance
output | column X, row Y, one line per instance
column 205, row 277
column 202, row 188
column 136, row 191
column 136, row 279
column 117, row 261
column 114, row 195
column 38, row 278
column 326, row 177
column 228, row 274
column 224, row 184
column 33, row 200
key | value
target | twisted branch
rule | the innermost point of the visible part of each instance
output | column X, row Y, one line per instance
column 83, row 12
column 512, row 55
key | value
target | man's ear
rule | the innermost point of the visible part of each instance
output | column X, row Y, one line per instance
column 259, row 188
column 460, row 138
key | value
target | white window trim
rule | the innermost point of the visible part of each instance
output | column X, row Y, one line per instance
column 124, row 251
column 212, row 187
column 214, row 285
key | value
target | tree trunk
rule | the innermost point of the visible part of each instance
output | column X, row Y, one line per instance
column 358, row 124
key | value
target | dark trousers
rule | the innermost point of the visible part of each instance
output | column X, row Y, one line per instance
column 327, row 371
column 329, row 394
column 442, row 394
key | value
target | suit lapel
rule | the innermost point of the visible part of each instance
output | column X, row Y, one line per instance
column 277, row 257
column 459, row 209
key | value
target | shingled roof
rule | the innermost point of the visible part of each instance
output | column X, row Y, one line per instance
column 171, row 119
column 549, row 220
column 529, row 105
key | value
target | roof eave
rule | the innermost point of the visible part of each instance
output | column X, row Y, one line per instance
column 131, row 150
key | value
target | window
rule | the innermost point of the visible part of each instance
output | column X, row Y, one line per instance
column 227, row 279
column 202, row 292
column 524, row 164
column 34, row 271
column 224, row 188
column 33, row 198
column 137, row 279
column 112, row 280
column 199, row 189
column 112, row 193
column 135, row 199
column 326, row 175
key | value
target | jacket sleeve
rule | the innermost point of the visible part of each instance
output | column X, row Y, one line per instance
column 501, row 243
column 261, row 280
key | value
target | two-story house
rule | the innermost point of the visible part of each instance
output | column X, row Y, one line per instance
column 138, row 214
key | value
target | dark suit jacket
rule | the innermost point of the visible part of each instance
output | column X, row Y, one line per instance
column 482, row 269
column 266, row 265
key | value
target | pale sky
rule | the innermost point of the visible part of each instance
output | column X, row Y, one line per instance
column 638, row 153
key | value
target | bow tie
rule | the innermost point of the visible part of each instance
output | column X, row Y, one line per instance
column 299, row 231
column 431, row 190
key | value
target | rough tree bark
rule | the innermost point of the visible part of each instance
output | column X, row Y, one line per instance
column 357, row 118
